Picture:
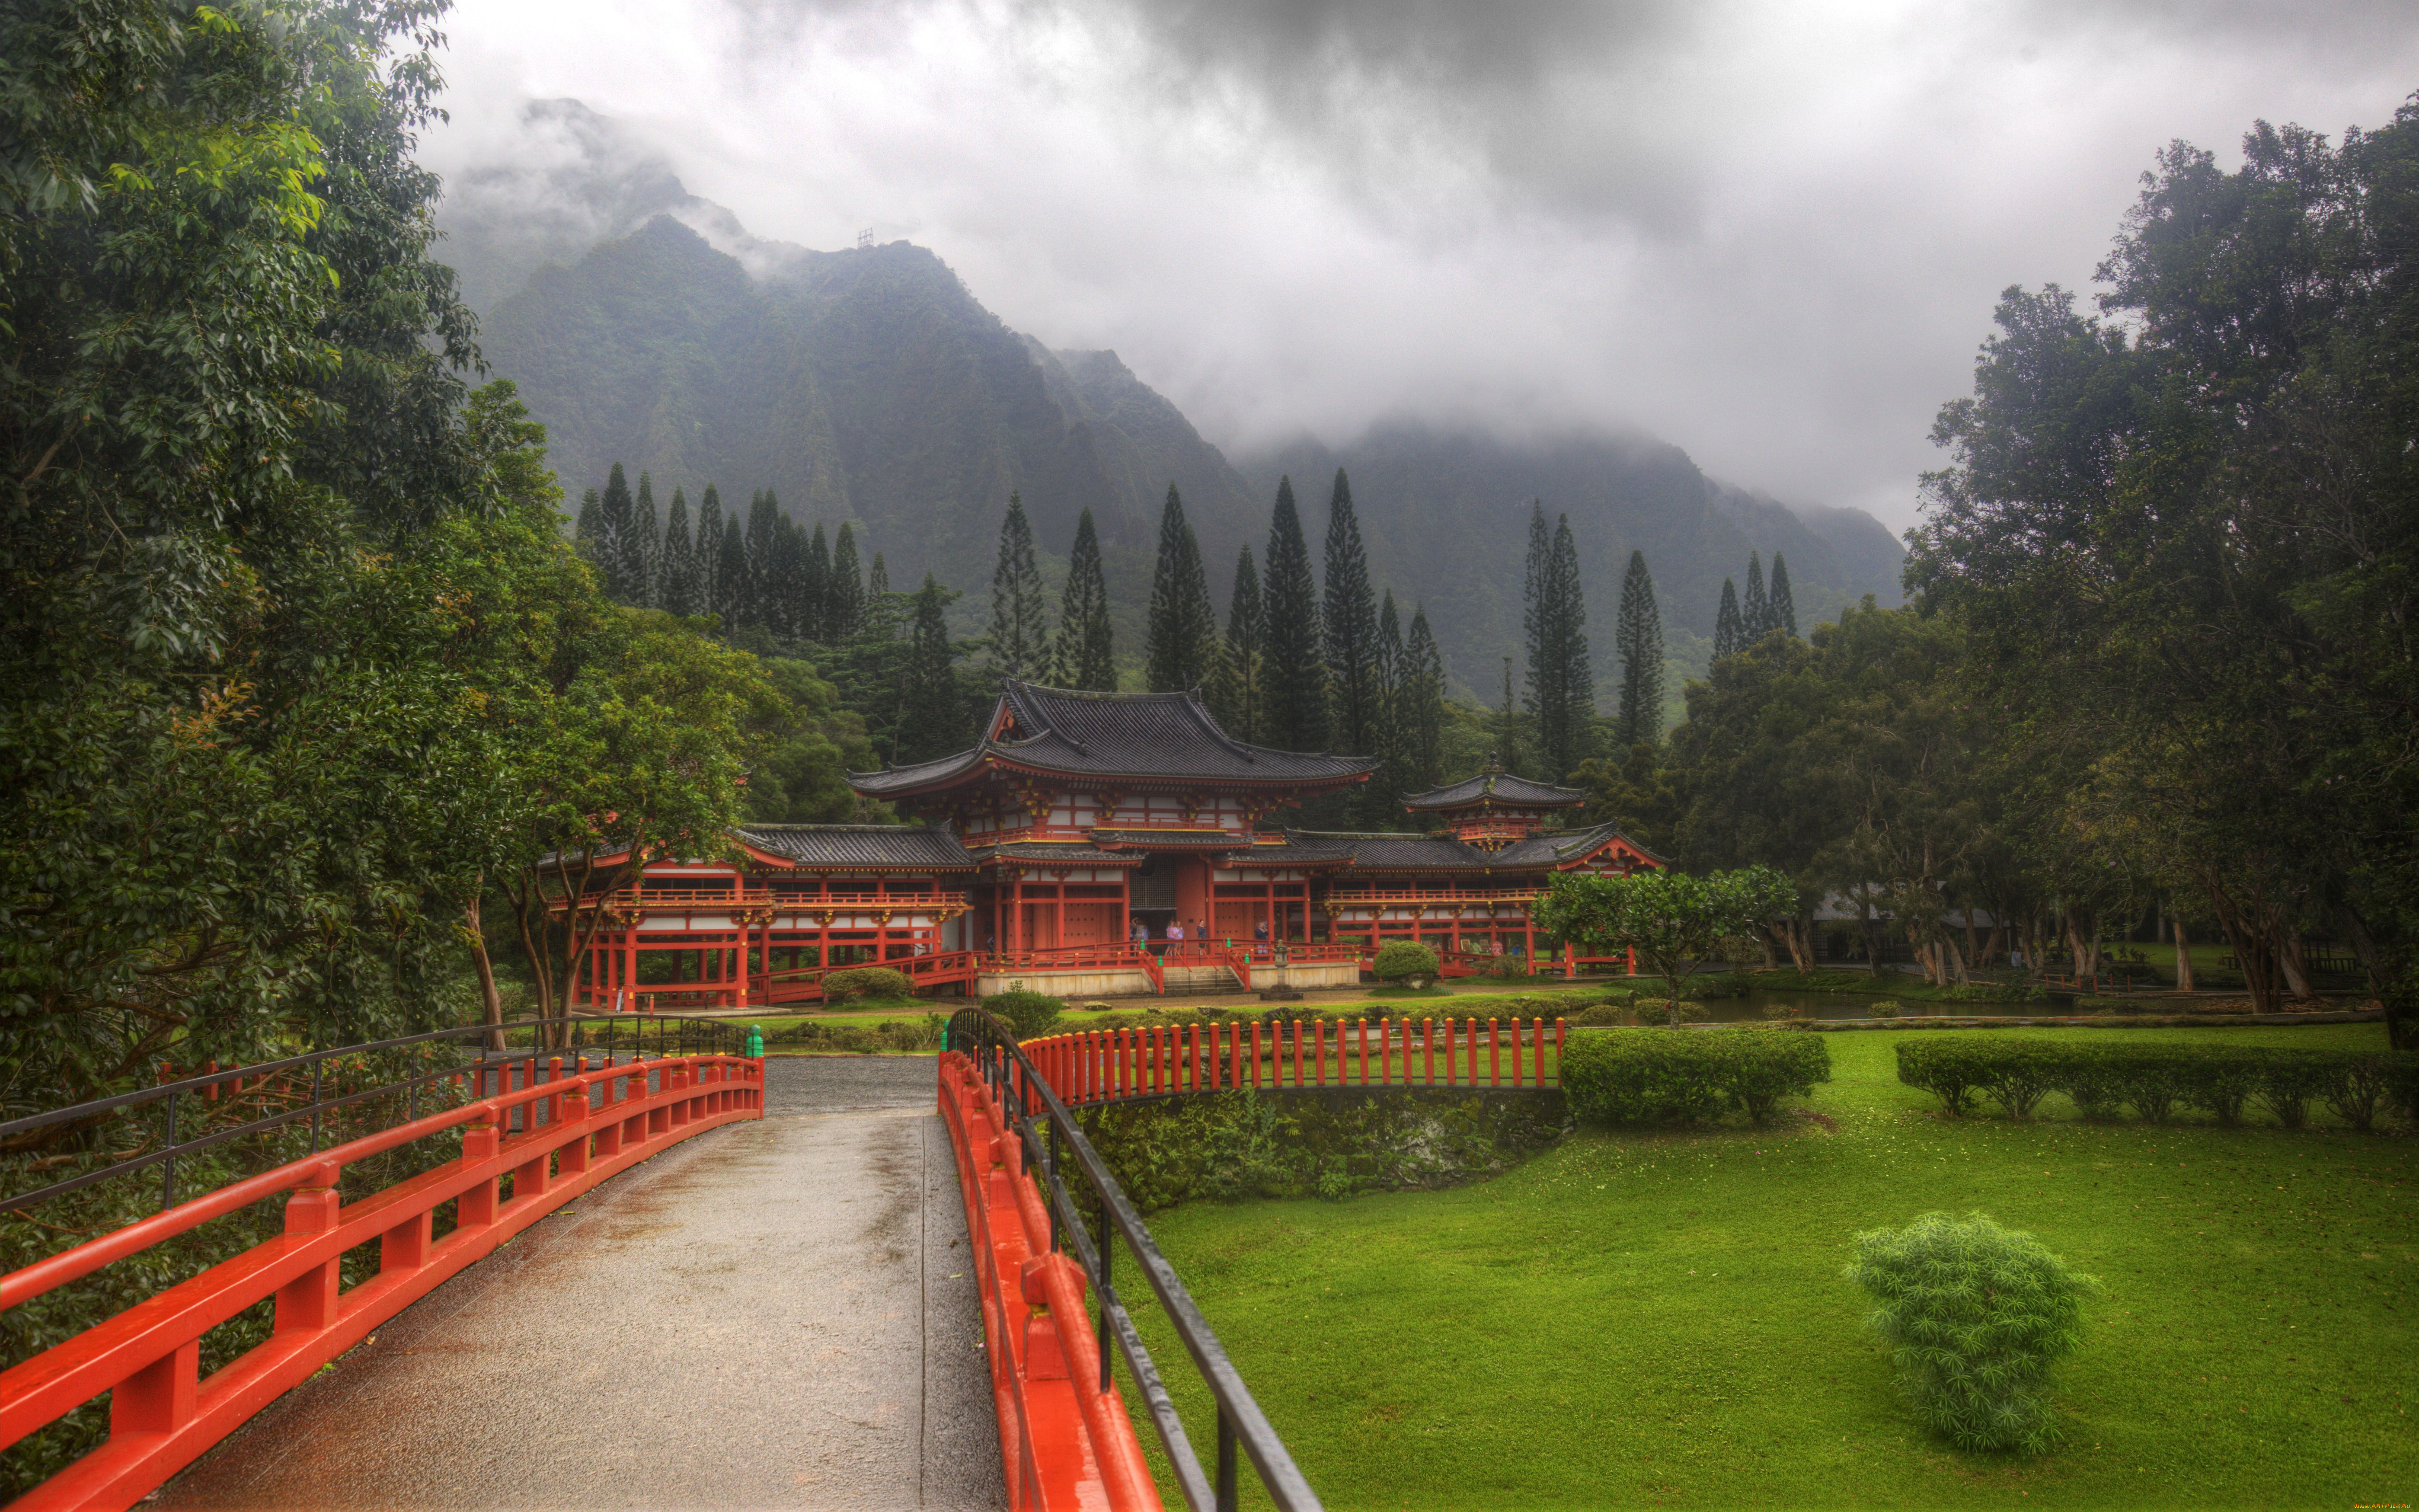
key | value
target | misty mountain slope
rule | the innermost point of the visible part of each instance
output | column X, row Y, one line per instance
column 1444, row 514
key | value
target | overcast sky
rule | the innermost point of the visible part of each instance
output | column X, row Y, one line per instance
column 1769, row 233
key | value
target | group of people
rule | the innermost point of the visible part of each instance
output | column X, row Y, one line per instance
column 1178, row 931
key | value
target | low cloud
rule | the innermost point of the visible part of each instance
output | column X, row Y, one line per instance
column 1770, row 236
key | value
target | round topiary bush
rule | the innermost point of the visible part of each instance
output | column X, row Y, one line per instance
column 1030, row 1014
column 1405, row 961
column 1977, row 1314
column 865, row 981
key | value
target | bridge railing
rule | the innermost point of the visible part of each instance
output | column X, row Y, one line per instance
column 176, row 1378
column 1011, row 1125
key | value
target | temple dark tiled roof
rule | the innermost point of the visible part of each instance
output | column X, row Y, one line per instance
column 1499, row 788
column 1143, row 737
column 1055, row 853
column 855, row 847
column 1184, row 840
column 1554, row 847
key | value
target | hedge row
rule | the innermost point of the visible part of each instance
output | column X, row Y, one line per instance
column 1663, row 1076
column 2155, row 1080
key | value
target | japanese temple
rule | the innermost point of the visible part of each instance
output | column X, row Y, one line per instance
column 1093, row 844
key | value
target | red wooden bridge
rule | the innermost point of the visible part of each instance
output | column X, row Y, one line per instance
column 730, row 1283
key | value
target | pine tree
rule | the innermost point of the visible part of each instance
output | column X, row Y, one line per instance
column 1020, row 638
column 877, row 582
column 586, row 531
column 614, row 527
column 1730, row 630
column 781, row 584
column 1234, row 696
column 815, row 588
column 1348, row 615
column 1561, row 693
column 1507, row 725
column 1180, row 634
column 676, row 573
column 932, row 716
column 738, row 604
column 1083, row 655
column 642, row 548
column 844, row 591
column 763, row 528
column 1778, row 606
column 707, row 552
column 1638, row 638
column 1755, row 612
column 1424, row 691
column 1395, row 774
column 1295, row 676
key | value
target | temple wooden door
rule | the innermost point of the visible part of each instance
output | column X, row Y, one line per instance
column 1087, row 924
column 1234, row 922
column 1040, row 923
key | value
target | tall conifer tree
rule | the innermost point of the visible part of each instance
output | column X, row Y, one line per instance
column 844, row 591
column 1296, row 675
column 1780, row 606
column 1019, row 635
column 738, row 607
column 676, row 591
column 1084, row 652
column 1423, row 685
column 815, row 587
column 1396, row 758
column 708, row 553
column 615, row 526
column 877, row 582
column 1507, row 724
column 782, row 582
column 1181, row 635
column 1562, row 691
column 1236, row 693
column 1638, row 637
column 1755, row 611
column 1730, row 630
column 932, row 716
column 1348, row 615
column 643, row 551
column 589, row 528
column 764, row 522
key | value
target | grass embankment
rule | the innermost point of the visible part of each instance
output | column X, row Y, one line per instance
column 1634, row 1319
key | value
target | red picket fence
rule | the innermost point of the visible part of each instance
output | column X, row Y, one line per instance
column 1115, row 1065
column 577, row 1130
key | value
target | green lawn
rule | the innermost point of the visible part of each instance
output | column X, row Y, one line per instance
column 1660, row 1320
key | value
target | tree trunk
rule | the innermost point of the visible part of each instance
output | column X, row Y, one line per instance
column 2363, row 944
column 2289, row 957
column 2183, row 954
column 1956, row 958
column 491, row 1002
column 1973, row 951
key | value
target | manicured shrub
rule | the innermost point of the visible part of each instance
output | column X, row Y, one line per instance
column 1946, row 1068
column 1976, row 1315
column 2019, row 1075
column 1888, row 1008
column 1401, row 959
column 2154, row 1079
column 1630, row 1076
column 1661, row 1009
column 1030, row 1014
column 866, row 981
column 2365, row 1084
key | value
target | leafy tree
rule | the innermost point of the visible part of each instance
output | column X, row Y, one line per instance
column 678, row 591
column 1236, row 694
column 1639, row 640
column 1755, row 610
column 1730, row 626
column 1671, row 919
column 1423, row 701
column 811, row 745
column 1780, row 607
column 1348, row 616
column 1019, row 635
column 1297, row 665
column 1084, row 652
column 844, row 592
column 1180, row 641
column 931, row 721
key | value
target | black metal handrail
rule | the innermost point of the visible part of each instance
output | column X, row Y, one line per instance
column 1025, row 1096
column 712, row 1036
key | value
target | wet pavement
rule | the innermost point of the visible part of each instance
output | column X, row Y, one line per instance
column 777, row 1314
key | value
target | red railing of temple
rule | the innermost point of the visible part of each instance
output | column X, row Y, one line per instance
column 1115, row 1065
column 805, row 984
column 163, row 1414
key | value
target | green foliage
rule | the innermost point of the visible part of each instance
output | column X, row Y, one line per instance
column 1668, row 1010
column 1976, row 1315
column 866, row 981
column 889, row 1037
column 1559, row 691
column 2154, row 1079
column 1020, row 638
column 1348, row 620
column 1083, row 656
column 1638, row 640
column 1031, row 1014
column 1296, row 666
column 1399, row 959
column 1622, row 1076
column 1669, row 918
column 1236, row 691
column 1180, row 637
